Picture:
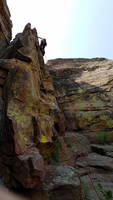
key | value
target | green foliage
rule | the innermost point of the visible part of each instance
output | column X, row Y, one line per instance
column 103, row 137
column 86, row 188
column 57, row 148
column 107, row 194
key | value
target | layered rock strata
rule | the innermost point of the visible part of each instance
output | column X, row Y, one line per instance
column 84, row 91
column 45, row 119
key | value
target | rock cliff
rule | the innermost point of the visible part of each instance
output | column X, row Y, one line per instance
column 28, row 110
column 5, row 25
column 84, row 91
column 54, row 118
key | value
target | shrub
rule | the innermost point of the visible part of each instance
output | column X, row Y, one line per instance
column 107, row 194
column 57, row 148
column 103, row 137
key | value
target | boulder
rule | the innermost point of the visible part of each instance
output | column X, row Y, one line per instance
column 31, row 169
column 62, row 182
column 78, row 143
column 96, row 161
column 106, row 150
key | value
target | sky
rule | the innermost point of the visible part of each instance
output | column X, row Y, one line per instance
column 72, row 28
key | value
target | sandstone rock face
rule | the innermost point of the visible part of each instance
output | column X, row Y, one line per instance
column 84, row 90
column 29, row 113
column 45, row 119
column 5, row 25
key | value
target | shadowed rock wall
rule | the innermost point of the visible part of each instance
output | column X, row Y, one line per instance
column 84, row 91
column 45, row 111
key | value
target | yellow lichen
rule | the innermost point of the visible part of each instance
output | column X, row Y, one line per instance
column 43, row 139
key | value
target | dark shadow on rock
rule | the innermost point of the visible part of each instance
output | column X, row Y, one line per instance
column 71, row 95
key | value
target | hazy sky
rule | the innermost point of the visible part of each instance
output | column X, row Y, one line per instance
column 73, row 28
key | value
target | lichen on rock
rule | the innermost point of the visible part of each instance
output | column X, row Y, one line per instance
column 27, row 109
column 84, row 93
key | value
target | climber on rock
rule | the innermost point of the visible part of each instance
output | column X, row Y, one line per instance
column 43, row 44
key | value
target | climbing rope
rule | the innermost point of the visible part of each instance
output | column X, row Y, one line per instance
column 41, row 38
column 93, row 186
column 90, row 179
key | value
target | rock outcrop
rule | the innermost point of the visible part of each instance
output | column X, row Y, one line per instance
column 84, row 91
column 96, row 170
column 5, row 25
column 49, row 115
column 28, row 108
column 62, row 182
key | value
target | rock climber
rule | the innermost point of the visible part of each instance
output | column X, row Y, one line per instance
column 43, row 44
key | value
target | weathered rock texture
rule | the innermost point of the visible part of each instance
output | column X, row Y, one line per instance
column 45, row 119
column 29, row 114
column 84, row 91
column 28, row 107
column 62, row 182
column 5, row 25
